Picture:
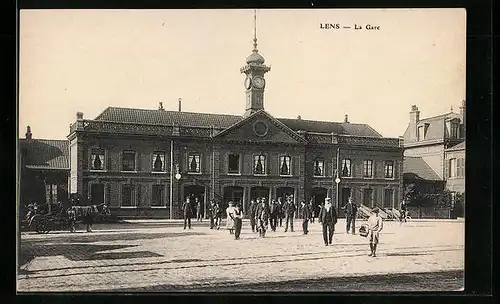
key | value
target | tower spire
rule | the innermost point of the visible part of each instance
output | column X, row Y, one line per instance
column 255, row 30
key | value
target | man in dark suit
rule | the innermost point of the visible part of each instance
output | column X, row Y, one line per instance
column 289, row 213
column 252, row 209
column 273, row 216
column 306, row 216
column 261, row 217
column 187, row 210
column 328, row 219
column 350, row 214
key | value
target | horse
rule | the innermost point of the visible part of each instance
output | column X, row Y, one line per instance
column 86, row 215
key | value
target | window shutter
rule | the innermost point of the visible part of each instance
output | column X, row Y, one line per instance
column 47, row 193
column 108, row 193
column 447, row 168
column 137, row 161
column 108, row 160
column 138, row 203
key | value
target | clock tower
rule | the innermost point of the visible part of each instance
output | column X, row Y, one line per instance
column 254, row 81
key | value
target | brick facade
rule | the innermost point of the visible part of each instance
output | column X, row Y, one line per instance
column 214, row 181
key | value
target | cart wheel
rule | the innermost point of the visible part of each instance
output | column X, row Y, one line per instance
column 41, row 226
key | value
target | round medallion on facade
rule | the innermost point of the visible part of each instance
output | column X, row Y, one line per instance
column 260, row 128
column 248, row 83
column 259, row 82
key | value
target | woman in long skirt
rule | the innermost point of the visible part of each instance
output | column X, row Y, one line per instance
column 230, row 217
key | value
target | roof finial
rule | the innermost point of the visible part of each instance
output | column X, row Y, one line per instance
column 451, row 108
column 255, row 30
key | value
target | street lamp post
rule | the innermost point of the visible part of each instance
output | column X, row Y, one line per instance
column 337, row 181
column 177, row 177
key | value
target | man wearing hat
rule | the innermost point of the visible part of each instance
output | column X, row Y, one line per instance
column 375, row 225
column 328, row 219
column 261, row 217
column 350, row 214
column 253, row 209
column 289, row 213
column 187, row 211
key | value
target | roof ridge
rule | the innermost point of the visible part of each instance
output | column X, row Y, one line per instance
column 325, row 121
column 45, row 139
column 173, row 111
column 439, row 116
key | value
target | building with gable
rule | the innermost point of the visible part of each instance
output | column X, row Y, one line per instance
column 434, row 151
column 145, row 162
column 44, row 170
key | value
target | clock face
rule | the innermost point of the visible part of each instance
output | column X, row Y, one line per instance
column 259, row 82
column 260, row 128
column 248, row 82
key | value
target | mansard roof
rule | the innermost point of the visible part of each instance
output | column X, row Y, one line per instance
column 436, row 130
column 223, row 121
column 45, row 153
column 419, row 168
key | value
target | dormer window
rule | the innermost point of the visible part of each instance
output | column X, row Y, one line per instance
column 452, row 128
column 422, row 131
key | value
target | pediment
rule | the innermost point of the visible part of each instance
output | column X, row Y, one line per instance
column 261, row 127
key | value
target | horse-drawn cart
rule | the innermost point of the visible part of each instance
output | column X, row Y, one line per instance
column 42, row 221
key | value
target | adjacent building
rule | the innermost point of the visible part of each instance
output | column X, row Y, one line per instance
column 145, row 162
column 44, row 170
column 434, row 151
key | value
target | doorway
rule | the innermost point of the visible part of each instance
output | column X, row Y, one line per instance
column 259, row 192
column 232, row 193
column 318, row 196
column 195, row 192
column 96, row 194
column 284, row 192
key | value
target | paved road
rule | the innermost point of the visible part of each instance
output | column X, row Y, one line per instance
column 432, row 281
column 161, row 256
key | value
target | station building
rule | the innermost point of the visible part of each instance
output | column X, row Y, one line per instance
column 145, row 162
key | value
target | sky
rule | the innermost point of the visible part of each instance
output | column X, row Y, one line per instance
column 87, row 60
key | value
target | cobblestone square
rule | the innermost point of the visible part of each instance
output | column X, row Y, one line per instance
column 161, row 256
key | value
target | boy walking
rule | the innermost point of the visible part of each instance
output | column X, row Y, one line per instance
column 375, row 225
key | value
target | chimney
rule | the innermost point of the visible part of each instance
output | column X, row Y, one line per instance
column 346, row 119
column 28, row 133
column 180, row 104
column 462, row 113
column 160, row 107
column 298, row 117
column 414, row 119
column 79, row 115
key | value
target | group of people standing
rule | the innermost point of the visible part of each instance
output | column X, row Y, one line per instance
column 189, row 210
column 263, row 214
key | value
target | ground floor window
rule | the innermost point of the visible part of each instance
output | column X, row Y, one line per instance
column 157, row 197
column 127, row 197
column 368, row 197
column 388, row 198
column 51, row 193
